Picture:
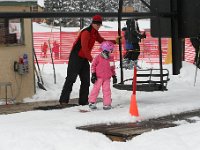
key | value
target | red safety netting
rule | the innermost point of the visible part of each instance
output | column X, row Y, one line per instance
column 149, row 47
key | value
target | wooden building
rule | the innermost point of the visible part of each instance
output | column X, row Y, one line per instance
column 16, row 52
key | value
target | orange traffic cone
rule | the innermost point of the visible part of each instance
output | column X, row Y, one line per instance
column 133, row 106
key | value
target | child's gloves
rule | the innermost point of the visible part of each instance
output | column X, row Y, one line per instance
column 114, row 79
column 93, row 78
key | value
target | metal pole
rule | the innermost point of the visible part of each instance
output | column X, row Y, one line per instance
column 81, row 19
column 59, row 52
column 160, row 54
column 60, row 39
column 119, row 34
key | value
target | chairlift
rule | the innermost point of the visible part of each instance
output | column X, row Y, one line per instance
column 148, row 79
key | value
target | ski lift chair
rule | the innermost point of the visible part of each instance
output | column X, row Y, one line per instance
column 148, row 80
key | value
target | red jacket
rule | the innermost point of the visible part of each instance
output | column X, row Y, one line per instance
column 45, row 47
column 86, row 41
column 55, row 48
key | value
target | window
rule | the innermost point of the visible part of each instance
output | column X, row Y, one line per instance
column 11, row 31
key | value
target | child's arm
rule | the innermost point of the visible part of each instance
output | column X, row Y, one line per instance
column 112, row 65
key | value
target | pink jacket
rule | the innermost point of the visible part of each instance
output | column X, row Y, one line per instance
column 104, row 68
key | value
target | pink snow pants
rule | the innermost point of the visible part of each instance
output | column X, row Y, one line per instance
column 105, row 83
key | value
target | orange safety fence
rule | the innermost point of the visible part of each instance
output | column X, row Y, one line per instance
column 149, row 47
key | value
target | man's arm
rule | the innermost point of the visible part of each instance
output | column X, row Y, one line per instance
column 100, row 39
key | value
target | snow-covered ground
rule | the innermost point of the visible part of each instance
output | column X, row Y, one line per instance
column 56, row 129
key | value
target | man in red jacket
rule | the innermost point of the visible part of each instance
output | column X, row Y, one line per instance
column 79, row 59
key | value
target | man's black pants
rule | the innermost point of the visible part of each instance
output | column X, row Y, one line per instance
column 76, row 66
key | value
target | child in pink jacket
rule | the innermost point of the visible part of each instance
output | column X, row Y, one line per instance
column 103, row 68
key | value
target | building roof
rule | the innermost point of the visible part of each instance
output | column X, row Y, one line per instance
column 18, row 2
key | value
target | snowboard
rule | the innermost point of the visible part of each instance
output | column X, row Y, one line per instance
column 86, row 110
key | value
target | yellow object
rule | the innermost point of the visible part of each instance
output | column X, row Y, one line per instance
column 117, row 39
column 168, row 59
column 128, row 9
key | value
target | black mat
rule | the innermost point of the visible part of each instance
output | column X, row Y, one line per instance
column 126, row 131
column 54, row 107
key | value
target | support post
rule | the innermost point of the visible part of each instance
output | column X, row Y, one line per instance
column 120, row 45
column 176, row 41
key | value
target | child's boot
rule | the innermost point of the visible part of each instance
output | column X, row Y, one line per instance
column 106, row 107
column 135, row 62
column 92, row 106
column 125, row 63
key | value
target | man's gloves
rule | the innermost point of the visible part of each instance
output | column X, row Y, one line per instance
column 119, row 38
column 114, row 79
column 93, row 78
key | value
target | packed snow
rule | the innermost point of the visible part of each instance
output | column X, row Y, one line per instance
column 56, row 129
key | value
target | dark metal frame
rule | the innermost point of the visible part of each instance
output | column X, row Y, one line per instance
column 119, row 14
column 81, row 14
column 146, row 85
column 151, row 83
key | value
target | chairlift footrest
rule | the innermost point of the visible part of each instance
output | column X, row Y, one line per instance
column 141, row 87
